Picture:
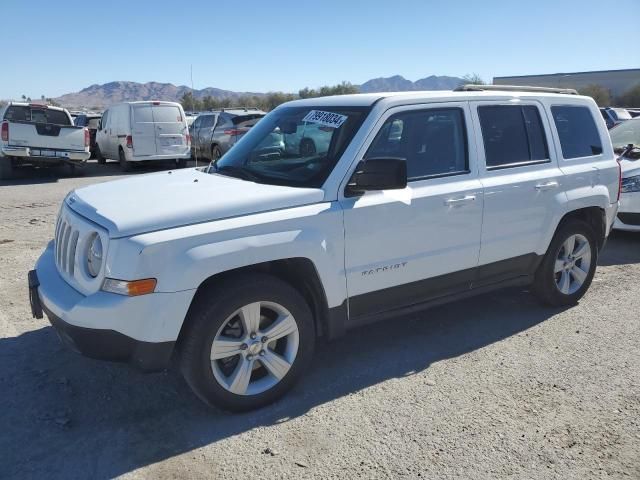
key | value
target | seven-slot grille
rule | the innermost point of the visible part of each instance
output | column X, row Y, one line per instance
column 66, row 241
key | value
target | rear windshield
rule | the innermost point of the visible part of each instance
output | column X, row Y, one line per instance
column 21, row 113
column 247, row 120
column 166, row 114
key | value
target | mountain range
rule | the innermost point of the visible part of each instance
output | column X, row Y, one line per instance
column 123, row 91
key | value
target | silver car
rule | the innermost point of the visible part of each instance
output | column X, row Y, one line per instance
column 214, row 133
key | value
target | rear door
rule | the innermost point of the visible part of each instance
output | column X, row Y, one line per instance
column 143, row 130
column 523, row 191
column 170, row 127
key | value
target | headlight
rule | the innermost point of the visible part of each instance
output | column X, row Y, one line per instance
column 631, row 184
column 94, row 256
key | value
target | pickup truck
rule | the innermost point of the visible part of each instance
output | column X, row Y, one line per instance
column 421, row 198
column 37, row 134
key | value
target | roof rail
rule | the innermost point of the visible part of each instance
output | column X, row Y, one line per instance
column 246, row 109
column 513, row 88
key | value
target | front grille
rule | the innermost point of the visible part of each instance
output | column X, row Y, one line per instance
column 629, row 218
column 66, row 241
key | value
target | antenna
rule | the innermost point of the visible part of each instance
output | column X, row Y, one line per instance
column 195, row 149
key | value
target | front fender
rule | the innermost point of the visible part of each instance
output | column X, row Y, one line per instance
column 183, row 258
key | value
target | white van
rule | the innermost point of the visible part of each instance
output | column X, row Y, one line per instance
column 139, row 131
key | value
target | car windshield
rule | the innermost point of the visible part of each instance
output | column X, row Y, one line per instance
column 293, row 146
column 625, row 133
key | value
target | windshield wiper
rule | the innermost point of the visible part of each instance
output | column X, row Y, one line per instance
column 237, row 172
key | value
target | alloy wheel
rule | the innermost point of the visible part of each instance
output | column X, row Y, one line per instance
column 254, row 348
column 572, row 264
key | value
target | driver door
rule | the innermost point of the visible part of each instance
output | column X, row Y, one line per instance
column 405, row 247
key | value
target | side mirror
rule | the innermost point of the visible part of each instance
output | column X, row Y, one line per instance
column 288, row 128
column 100, row 124
column 378, row 174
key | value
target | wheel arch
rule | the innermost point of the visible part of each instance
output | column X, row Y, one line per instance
column 299, row 272
column 594, row 216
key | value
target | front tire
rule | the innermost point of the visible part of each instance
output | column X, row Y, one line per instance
column 99, row 157
column 568, row 267
column 247, row 342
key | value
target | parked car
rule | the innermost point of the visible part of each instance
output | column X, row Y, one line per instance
column 308, row 139
column 215, row 132
column 91, row 121
column 626, row 142
column 144, row 131
column 421, row 198
column 37, row 134
column 614, row 116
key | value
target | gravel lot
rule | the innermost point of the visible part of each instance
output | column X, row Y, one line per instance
column 491, row 387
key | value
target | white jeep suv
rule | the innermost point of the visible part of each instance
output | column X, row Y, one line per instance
column 420, row 198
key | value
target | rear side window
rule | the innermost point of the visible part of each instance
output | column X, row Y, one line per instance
column 166, row 114
column 142, row 114
column 513, row 135
column 434, row 142
column 207, row 121
column 579, row 136
column 246, row 120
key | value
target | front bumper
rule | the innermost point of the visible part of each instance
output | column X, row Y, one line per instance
column 28, row 154
column 628, row 217
column 139, row 330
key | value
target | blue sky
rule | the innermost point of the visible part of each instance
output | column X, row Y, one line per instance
column 53, row 47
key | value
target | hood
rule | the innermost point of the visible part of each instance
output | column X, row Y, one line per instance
column 158, row 201
column 630, row 168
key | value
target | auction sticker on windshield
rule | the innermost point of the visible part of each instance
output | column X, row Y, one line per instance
column 327, row 119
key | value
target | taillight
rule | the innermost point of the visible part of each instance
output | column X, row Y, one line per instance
column 234, row 131
column 619, row 180
column 188, row 138
column 129, row 141
column 87, row 137
column 5, row 131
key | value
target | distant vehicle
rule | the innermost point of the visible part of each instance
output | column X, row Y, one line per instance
column 91, row 121
column 39, row 134
column 626, row 142
column 215, row 132
column 140, row 131
column 614, row 116
column 308, row 139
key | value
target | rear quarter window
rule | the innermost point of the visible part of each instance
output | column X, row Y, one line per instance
column 577, row 131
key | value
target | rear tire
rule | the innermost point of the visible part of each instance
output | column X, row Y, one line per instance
column 125, row 165
column 6, row 168
column 272, row 364
column 568, row 267
column 216, row 153
column 307, row 147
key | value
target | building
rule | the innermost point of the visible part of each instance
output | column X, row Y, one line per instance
column 617, row 82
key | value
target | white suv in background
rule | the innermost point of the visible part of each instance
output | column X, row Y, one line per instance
column 141, row 131
column 420, row 198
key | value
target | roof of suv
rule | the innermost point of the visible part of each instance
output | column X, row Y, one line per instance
column 368, row 99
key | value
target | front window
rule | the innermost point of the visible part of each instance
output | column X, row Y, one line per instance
column 625, row 133
column 294, row 146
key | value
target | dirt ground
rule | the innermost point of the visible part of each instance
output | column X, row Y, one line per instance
column 491, row 387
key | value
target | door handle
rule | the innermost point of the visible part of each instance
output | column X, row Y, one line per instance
column 452, row 202
column 547, row 186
